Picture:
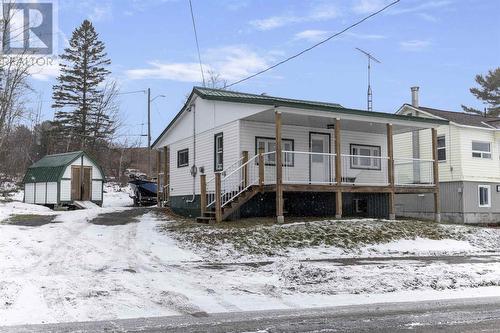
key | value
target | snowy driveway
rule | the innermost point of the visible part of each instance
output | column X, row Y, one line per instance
column 87, row 267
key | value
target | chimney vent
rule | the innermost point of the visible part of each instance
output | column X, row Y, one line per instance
column 414, row 96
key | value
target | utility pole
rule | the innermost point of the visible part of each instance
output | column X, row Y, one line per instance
column 149, row 132
column 369, row 103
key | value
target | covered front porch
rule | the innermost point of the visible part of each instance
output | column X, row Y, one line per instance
column 294, row 150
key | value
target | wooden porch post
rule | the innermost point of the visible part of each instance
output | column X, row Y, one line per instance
column 261, row 169
column 279, row 169
column 203, row 194
column 338, row 171
column 218, row 203
column 159, row 190
column 437, row 197
column 390, row 172
column 166, row 173
column 245, row 169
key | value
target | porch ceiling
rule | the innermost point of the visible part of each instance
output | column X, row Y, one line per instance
column 321, row 120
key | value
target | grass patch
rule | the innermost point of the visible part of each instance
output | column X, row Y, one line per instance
column 29, row 220
column 264, row 237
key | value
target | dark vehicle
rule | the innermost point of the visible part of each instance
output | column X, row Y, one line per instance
column 144, row 191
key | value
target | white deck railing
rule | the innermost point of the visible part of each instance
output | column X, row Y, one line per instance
column 301, row 167
column 365, row 170
column 413, row 172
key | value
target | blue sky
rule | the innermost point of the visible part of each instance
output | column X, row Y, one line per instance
column 439, row 45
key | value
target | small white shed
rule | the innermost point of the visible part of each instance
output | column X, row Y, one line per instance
column 61, row 179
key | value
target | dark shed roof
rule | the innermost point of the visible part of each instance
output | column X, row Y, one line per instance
column 51, row 167
column 463, row 118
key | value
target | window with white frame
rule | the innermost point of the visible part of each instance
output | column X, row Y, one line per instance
column 481, row 149
column 269, row 145
column 484, row 195
column 441, row 148
column 370, row 162
column 218, row 152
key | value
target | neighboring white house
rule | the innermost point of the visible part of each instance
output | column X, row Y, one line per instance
column 469, row 165
column 62, row 179
column 334, row 160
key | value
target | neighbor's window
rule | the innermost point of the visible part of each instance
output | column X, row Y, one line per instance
column 269, row 145
column 370, row 162
column 182, row 158
column 484, row 193
column 481, row 149
column 218, row 152
column 441, row 148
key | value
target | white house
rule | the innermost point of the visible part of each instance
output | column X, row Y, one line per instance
column 219, row 158
column 62, row 179
column 469, row 165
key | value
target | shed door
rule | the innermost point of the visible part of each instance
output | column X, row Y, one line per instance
column 87, row 183
column 81, row 190
column 75, row 183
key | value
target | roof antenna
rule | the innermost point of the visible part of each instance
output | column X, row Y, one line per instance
column 369, row 94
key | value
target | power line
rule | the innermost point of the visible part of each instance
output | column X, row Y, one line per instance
column 197, row 44
column 313, row 46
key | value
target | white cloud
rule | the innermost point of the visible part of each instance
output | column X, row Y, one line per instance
column 231, row 63
column 318, row 35
column 368, row 6
column 321, row 12
column 414, row 45
column 45, row 69
column 312, row 35
column 422, row 6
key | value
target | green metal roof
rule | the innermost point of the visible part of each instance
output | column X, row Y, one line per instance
column 227, row 95
column 51, row 167
column 238, row 97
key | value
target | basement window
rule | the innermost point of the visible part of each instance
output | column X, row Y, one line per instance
column 441, row 148
column 484, row 195
column 481, row 149
column 183, row 158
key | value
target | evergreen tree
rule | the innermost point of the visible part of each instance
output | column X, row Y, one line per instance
column 78, row 93
column 488, row 93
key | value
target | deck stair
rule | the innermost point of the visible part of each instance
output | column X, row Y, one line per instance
column 238, row 201
column 231, row 188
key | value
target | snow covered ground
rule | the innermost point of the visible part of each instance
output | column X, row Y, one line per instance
column 146, row 265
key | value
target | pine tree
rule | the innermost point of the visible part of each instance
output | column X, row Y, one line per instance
column 77, row 95
column 488, row 93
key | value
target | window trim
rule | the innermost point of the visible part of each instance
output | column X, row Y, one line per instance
column 291, row 165
column 179, row 165
column 360, row 167
column 481, row 152
column 441, row 148
column 488, row 187
column 221, row 134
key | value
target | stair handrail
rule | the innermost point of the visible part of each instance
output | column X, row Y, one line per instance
column 229, row 193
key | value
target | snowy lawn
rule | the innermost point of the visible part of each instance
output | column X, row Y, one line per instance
column 255, row 240
column 122, row 262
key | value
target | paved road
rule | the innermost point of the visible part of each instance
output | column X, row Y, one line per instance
column 462, row 315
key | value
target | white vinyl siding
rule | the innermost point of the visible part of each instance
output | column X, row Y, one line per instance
column 65, row 190
column 475, row 168
column 181, row 181
column 52, row 193
column 40, row 194
column 97, row 190
column 29, row 193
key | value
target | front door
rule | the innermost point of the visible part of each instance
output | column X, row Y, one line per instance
column 87, row 181
column 76, row 181
column 320, row 165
